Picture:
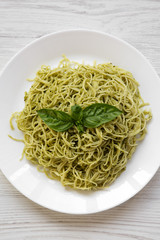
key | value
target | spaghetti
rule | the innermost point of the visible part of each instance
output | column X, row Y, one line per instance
column 94, row 159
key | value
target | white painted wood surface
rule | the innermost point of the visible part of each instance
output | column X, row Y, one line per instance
column 136, row 21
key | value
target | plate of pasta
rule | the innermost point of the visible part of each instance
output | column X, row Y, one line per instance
column 80, row 121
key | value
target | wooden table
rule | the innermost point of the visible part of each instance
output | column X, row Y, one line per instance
column 137, row 22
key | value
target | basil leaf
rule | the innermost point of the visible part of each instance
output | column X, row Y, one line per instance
column 56, row 120
column 98, row 114
column 76, row 112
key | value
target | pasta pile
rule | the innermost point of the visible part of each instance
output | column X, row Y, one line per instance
column 94, row 159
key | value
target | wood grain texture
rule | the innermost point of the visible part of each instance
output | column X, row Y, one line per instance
column 134, row 21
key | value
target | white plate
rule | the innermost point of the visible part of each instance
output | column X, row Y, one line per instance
column 77, row 45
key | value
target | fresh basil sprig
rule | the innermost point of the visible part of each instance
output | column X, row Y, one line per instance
column 91, row 117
